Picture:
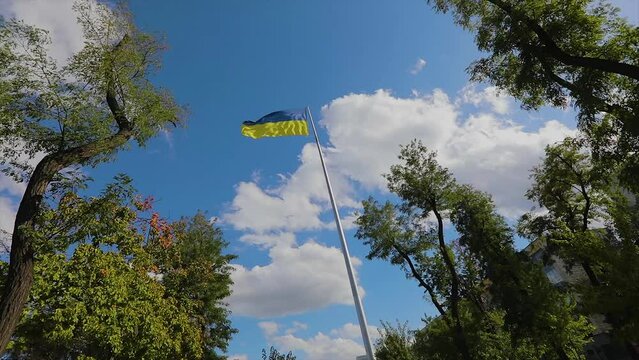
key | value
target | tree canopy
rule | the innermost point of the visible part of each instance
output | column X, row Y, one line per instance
column 274, row 354
column 591, row 223
column 113, row 280
column 561, row 53
column 74, row 114
column 492, row 301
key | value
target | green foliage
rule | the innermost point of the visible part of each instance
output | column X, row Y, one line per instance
column 395, row 343
column 488, row 336
column 558, row 53
column 619, row 291
column 52, row 108
column 592, row 223
column 112, row 283
column 79, row 112
column 397, row 232
column 198, row 276
column 273, row 354
column 505, row 306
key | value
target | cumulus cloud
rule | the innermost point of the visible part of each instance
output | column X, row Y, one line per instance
column 297, row 326
column 340, row 344
column 353, row 331
column 322, row 347
column 365, row 130
column 418, row 67
column 238, row 357
column 269, row 328
column 7, row 214
column 298, row 279
column 255, row 209
column 293, row 205
column 491, row 95
column 8, row 207
column 269, row 240
column 484, row 150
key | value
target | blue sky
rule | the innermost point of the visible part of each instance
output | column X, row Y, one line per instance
column 375, row 74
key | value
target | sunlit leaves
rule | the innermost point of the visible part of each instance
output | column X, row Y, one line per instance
column 49, row 107
column 115, row 280
column 506, row 307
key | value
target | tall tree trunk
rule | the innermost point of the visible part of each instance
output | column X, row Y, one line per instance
column 427, row 288
column 460, row 337
column 592, row 277
column 20, row 275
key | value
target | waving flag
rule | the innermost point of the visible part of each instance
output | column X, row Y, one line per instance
column 293, row 122
column 279, row 123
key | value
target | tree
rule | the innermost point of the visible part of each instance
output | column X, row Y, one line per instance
column 574, row 192
column 395, row 343
column 273, row 354
column 532, row 310
column 198, row 276
column 425, row 189
column 113, row 283
column 558, row 52
column 79, row 114
column 619, row 289
column 503, row 306
column 489, row 338
column 591, row 222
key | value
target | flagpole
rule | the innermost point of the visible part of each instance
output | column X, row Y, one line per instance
column 347, row 259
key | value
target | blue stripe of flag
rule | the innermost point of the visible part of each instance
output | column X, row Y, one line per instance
column 277, row 116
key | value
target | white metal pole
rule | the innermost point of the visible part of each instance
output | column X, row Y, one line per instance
column 347, row 259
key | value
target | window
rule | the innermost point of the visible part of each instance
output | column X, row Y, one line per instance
column 552, row 274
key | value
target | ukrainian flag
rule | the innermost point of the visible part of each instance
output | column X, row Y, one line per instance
column 279, row 123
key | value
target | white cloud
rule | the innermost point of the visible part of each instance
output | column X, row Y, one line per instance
column 335, row 346
column 269, row 328
column 418, row 67
column 10, row 186
column 238, row 357
column 269, row 240
column 298, row 279
column 365, row 130
column 295, row 204
column 297, row 326
column 322, row 347
column 57, row 17
column 498, row 101
column 493, row 154
column 7, row 217
column 353, row 331
column 254, row 209
column 496, row 157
